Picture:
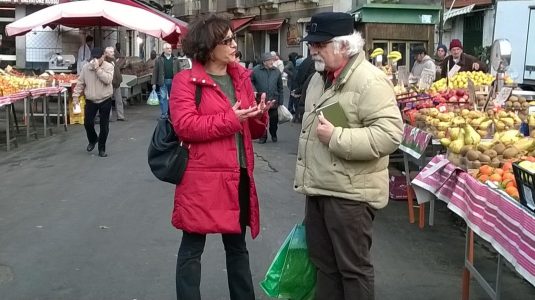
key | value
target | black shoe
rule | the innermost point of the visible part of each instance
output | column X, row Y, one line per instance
column 90, row 147
column 123, row 119
column 262, row 140
column 274, row 139
column 102, row 153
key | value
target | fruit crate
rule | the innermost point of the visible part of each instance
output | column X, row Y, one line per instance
column 525, row 181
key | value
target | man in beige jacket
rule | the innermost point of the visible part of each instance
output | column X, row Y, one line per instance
column 95, row 82
column 343, row 169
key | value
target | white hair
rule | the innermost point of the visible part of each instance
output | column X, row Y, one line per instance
column 166, row 45
column 353, row 42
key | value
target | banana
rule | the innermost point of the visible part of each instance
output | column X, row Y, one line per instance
column 510, row 137
column 394, row 56
column 524, row 144
column 376, row 52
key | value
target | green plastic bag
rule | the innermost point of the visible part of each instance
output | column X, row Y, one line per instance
column 291, row 274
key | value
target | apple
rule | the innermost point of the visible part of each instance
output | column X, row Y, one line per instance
column 465, row 97
column 453, row 99
column 460, row 93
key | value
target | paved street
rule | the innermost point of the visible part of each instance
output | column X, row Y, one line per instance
column 76, row 226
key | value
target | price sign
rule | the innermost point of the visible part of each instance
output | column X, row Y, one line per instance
column 426, row 79
column 531, row 110
column 503, row 95
column 454, row 71
column 472, row 92
column 403, row 75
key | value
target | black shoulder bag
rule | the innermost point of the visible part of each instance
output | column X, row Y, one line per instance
column 168, row 155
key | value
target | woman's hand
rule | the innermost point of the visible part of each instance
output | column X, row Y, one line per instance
column 243, row 114
column 264, row 106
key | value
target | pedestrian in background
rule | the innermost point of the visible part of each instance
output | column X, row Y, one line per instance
column 291, row 71
column 217, row 193
column 95, row 81
column 165, row 68
column 267, row 79
column 109, row 54
column 84, row 54
column 440, row 54
column 277, row 62
column 344, row 171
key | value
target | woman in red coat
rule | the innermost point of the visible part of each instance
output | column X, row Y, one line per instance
column 217, row 193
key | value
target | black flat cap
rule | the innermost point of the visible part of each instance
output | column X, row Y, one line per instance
column 327, row 25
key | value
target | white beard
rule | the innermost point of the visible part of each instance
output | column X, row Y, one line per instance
column 319, row 64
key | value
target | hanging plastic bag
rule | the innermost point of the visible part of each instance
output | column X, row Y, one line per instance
column 284, row 114
column 291, row 274
column 153, row 98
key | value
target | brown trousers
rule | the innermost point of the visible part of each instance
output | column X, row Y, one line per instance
column 339, row 238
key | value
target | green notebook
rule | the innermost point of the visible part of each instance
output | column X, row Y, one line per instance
column 334, row 113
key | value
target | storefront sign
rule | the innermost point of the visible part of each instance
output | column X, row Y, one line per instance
column 414, row 141
column 32, row 2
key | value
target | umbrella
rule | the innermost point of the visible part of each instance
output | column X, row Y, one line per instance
column 174, row 37
column 95, row 13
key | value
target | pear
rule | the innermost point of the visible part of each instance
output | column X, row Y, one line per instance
column 471, row 137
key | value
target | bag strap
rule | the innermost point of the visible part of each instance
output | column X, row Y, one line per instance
column 198, row 94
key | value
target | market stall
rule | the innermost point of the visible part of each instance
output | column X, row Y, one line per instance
column 472, row 138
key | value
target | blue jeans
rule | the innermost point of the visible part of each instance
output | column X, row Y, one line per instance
column 163, row 95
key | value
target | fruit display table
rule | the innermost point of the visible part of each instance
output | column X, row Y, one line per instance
column 495, row 217
column 28, row 96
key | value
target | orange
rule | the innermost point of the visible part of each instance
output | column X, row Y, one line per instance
column 498, row 171
column 495, row 177
column 511, row 183
column 483, row 177
column 508, row 175
column 531, row 158
column 512, row 191
column 507, row 166
column 486, row 170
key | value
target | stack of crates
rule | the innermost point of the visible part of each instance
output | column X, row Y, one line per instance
column 78, row 118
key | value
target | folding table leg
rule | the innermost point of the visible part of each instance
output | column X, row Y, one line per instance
column 410, row 192
column 469, row 256
column 421, row 219
column 15, row 118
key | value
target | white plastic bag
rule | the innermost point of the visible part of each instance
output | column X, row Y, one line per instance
column 153, row 98
column 284, row 114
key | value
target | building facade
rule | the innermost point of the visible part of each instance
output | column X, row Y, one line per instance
column 263, row 25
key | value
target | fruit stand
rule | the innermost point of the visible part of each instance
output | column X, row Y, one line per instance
column 16, row 87
column 484, row 145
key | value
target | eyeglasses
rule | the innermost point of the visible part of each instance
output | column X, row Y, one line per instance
column 319, row 45
column 228, row 40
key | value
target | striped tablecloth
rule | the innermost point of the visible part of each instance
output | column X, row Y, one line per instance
column 495, row 217
column 46, row 91
column 5, row 100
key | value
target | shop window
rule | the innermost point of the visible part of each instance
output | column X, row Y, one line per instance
column 274, row 41
column 404, row 47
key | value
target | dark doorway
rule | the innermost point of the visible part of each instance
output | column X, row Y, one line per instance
column 473, row 32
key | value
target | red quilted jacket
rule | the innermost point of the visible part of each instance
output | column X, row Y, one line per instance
column 206, row 200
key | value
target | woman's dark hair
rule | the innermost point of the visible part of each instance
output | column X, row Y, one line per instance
column 203, row 36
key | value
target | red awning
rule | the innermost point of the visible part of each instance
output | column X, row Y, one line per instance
column 266, row 25
column 239, row 24
column 462, row 3
column 172, row 39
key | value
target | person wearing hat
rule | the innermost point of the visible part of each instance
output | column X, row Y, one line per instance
column 95, row 82
column 440, row 54
column 266, row 78
column 422, row 61
column 463, row 60
column 342, row 169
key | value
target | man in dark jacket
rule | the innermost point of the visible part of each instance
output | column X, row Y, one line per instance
column 165, row 68
column 304, row 73
column 465, row 61
column 268, row 79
